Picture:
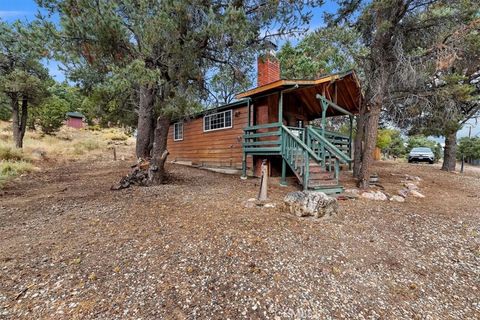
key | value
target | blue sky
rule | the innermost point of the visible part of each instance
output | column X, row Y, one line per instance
column 11, row 10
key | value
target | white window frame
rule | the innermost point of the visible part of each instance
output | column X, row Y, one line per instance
column 174, row 131
column 213, row 114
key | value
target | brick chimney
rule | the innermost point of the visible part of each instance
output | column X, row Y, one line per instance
column 268, row 68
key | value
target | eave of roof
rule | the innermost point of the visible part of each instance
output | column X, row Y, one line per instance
column 75, row 114
column 279, row 84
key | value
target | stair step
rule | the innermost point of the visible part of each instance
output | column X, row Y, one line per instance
column 322, row 175
column 322, row 183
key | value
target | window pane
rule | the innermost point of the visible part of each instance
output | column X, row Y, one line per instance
column 218, row 120
column 228, row 119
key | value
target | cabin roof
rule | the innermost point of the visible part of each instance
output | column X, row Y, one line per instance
column 75, row 114
column 342, row 88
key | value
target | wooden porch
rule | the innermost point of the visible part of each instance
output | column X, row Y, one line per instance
column 313, row 153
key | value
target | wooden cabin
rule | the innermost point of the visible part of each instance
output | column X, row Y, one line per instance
column 274, row 122
column 75, row 120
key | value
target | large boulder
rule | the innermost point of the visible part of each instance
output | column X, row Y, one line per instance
column 310, row 203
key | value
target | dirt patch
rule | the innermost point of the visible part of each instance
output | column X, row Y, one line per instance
column 71, row 248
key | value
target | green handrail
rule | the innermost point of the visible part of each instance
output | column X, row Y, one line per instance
column 300, row 143
column 330, row 147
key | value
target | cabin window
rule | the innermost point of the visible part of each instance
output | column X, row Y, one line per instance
column 178, row 131
column 217, row 121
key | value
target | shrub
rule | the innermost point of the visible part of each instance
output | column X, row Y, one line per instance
column 116, row 136
column 87, row 145
column 10, row 154
column 50, row 115
column 10, row 169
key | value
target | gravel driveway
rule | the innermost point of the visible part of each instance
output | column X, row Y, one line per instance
column 72, row 249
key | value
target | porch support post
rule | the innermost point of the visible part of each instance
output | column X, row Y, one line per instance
column 244, row 166
column 244, row 154
column 350, row 137
column 283, row 181
column 249, row 113
column 280, row 108
column 324, row 116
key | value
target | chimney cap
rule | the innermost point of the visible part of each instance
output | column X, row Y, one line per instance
column 269, row 45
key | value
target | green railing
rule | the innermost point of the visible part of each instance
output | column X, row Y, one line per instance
column 263, row 139
column 298, row 146
column 341, row 141
column 297, row 154
column 324, row 146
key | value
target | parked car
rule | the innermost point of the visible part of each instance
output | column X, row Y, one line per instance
column 421, row 154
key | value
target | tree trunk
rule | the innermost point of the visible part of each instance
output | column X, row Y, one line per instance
column 156, row 172
column 450, row 154
column 370, row 138
column 358, row 144
column 145, row 122
column 19, row 119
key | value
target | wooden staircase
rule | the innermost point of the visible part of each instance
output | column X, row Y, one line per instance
column 308, row 152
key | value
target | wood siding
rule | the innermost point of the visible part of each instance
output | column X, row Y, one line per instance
column 219, row 148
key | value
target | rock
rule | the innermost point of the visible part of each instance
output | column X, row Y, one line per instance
column 411, row 186
column 249, row 204
column 412, row 178
column 403, row 193
column 352, row 191
column 310, row 203
column 416, row 194
column 397, row 199
column 375, row 195
column 269, row 205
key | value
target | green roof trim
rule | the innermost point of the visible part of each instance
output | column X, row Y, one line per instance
column 75, row 114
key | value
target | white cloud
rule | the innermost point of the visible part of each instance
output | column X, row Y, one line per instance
column 12, row 13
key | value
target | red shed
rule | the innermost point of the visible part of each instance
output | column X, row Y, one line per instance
column 75, row 120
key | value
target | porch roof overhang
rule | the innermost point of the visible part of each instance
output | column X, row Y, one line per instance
column 342, row 89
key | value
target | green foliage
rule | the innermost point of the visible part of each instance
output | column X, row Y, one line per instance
column 226, row 83
column 390, row 141
column 171, row 46
column 326, row 50
column 50, row 115
column 422, row 141
column 397, row 145
column 21, row 73
column 384, row 138
column 469, row 147
column 5, row 109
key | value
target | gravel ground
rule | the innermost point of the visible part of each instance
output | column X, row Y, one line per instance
column 70, row 248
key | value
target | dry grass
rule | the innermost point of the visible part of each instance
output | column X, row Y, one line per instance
column 9, row 153
column 11, row 169
column 66, row 145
